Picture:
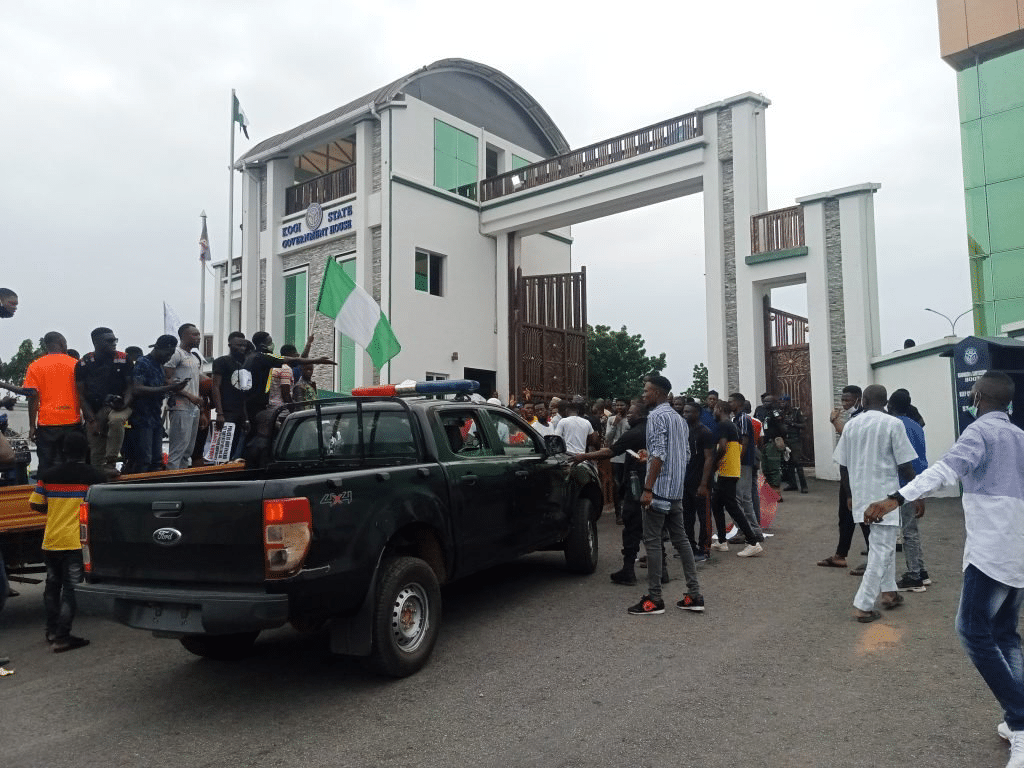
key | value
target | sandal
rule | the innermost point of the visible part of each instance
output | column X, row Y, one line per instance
column 873, row 616
column 831, row 562
column 896, row 602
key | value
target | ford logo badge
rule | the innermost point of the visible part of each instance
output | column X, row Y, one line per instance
column 167, row 537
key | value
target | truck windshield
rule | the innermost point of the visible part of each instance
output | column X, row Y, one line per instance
column 387, row 434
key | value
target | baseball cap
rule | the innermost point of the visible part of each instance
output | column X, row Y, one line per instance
column 165, row 341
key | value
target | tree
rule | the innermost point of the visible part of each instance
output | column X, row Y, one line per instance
column 14, row 369
column 617, row 362
column 699, row 387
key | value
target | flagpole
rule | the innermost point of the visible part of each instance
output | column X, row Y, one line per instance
column 202, row 286
column 231, row 213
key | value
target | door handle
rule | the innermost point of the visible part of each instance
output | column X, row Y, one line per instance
column 468, row 479
column 522, row 474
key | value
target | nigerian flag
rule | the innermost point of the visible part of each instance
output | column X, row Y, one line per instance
column 356, row 314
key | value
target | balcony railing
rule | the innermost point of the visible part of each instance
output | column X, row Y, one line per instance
column 628, row 145
column 777, row 230
column 330, row 186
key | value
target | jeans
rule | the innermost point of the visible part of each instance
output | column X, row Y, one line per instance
column 655, row 521
column 911, row 541
column 724, row 498
column 143, row 448
column 63, row 572
column 184, row 425
column 880, row 571
column 744, row 496
column 987, row 625
column 50, row 444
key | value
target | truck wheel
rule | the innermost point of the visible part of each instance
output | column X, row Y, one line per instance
column 581, row 545
column 220, row 647
column 406, row 616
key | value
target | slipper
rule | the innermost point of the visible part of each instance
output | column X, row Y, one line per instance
column 896, row 602
column 858, row 571
column 831, row 562
column 873, row 616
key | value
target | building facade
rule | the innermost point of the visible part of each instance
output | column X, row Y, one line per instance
column 387, row 185
column 983, row 40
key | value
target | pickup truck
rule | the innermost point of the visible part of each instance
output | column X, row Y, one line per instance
column 366, row 507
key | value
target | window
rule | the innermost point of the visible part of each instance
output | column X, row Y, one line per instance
column 346, row 347
column 386, row 434
column 455, row 160
column 491, row 160
column 295, row 308
column 464, row 435
column 515, row 441
column 519, row 162
column 430, row 273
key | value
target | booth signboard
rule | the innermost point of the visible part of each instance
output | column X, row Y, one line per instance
column 972, row 358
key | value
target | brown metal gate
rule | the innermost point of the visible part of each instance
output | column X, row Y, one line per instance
column 549, row 335
column 787, row 357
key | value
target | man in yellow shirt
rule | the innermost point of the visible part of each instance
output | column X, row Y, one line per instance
column 59, row 492
column 723, row 498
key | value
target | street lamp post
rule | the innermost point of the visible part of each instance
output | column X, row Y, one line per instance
column 952, row 323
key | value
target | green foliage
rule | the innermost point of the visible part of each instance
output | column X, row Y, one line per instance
column 13, row 370
column 699, row 387
column 617, row 362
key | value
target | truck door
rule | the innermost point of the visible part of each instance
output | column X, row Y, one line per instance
column 537, row 483
column 481, row 493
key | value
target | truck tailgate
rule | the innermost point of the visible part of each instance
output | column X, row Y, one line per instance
column 171, row 532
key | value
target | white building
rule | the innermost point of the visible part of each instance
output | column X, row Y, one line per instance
column 387, row 186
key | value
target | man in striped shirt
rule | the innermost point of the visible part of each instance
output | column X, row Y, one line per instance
column 662, row 499
column 989, row 460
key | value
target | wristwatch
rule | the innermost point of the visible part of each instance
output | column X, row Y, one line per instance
column 897, row 497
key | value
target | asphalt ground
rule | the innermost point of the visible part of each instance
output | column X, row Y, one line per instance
column 537, row 667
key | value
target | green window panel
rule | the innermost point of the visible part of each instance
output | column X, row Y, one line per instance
column 1005, row 206
column 296, row 300
column 1007, row 273
column 519, row 162
column 972, row 153
column 446, row 175
column 1003, row 136
column 967, row 91
column 1002, row 82
column 445, row 139
column 347, row 347
column 976, row 201
column 455, row 160
column 1011, row 311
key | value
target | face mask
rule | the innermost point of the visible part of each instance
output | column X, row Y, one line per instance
column 973, row 409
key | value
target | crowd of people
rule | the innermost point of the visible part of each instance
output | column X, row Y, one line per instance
column 675, row 466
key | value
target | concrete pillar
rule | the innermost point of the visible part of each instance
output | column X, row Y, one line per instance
column 280, row 176
column 502, row 338
column 252, row 249
column 713, row 253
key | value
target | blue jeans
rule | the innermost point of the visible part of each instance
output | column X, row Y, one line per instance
column 987, row 625
column 911, row 541
column 144, row 448
column 63, row 571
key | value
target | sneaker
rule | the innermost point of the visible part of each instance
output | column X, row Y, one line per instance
column 624, row 577
column 647, row 606
column 924, row 578
column 908, row 583
column 50, row 637
column 69, row 643
column 1016, row 750
column 751, row 550
column 720, row 546
column 693, row 603
column 1004, row 731
column 700, row 558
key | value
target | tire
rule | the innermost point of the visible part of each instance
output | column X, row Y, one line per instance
column 220, row 647
column 581, row 546
column 406, row 617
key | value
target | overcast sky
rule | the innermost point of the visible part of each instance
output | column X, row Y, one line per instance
column 115, row 137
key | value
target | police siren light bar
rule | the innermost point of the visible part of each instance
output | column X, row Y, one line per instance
column 440, row 387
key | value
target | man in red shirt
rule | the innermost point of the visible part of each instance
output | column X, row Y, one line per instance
column 53, row 409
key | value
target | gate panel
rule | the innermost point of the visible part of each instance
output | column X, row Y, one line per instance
column 788, row 366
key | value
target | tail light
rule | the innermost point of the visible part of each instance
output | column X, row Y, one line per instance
column 287, row 532
column 83, row 534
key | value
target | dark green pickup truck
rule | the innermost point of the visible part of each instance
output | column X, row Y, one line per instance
column 366, row 507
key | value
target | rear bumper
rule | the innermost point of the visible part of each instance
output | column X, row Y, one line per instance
column 168, row 611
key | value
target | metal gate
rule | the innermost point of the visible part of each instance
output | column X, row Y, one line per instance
column 549, row 335
column 787, row 357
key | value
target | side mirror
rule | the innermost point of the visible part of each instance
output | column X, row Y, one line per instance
column 555, row 444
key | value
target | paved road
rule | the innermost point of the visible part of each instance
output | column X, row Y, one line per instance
column 536, row 667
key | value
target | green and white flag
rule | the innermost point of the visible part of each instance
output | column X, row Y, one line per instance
column 356, row 314
column 238, row 115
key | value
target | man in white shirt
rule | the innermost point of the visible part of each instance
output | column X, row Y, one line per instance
column 873, row 454
column 184, row 365
column 574, row 429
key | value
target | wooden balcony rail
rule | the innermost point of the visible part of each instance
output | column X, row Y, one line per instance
column 639, row 142
column 777, row 230
column 330, row 186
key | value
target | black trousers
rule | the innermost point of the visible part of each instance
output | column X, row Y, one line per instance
column 847, row 526
column 697, row 510
column 632, row 529
column 723, row 499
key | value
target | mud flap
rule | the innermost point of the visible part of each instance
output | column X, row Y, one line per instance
column 353, row 635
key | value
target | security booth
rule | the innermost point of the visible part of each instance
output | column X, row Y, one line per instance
column 976, row 355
